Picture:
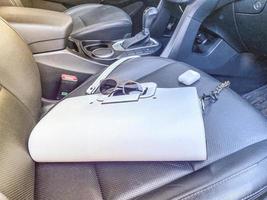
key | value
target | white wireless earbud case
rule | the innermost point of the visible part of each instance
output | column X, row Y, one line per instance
column 189, row 77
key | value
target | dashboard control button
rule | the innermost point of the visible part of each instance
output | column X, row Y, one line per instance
column 250, row 6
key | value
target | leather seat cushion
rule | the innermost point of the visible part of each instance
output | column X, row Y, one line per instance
column 236, row 143
column 99, row 22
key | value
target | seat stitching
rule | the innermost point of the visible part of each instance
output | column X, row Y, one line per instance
column 88, row 27
column 83, row 6
column 254, row 193
column 98, row 180
column 176, row 165
column 218, row 183
column 13, row 3
column 22, row 103
column 84, row 24
column 11, row 27
column 221, row 181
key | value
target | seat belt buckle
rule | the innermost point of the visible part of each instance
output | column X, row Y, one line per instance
column 67, row 84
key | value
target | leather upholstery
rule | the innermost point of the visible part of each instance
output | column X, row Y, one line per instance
column 43, row 30
column 238, row 176
column 20, row 94
column 48, row 5
column 236, row 150
column 15, row 3
column 37, row 25
column 16, row 60
column 99, row 22
column 16, row 166
column 90, row 21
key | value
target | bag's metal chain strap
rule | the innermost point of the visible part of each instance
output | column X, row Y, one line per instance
column 208, row 99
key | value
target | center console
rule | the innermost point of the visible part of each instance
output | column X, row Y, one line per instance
column 107, row 52
column 57, row 54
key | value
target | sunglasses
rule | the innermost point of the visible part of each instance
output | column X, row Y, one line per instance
column 112, row 87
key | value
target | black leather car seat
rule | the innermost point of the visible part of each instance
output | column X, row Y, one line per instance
column 90, row 21
column 236, row 141
column 99, row 22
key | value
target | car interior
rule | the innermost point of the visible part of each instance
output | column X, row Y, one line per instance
column 53, row 51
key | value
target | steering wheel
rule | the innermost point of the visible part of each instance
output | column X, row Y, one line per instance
column 182, row 41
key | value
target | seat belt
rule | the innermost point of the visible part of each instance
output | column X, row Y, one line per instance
column 93, row 88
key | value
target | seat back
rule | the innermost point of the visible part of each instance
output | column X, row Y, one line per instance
column 41, row 4
column 26, row 3
column 20, row 94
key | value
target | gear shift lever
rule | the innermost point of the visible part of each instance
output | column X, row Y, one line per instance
column 149, row 16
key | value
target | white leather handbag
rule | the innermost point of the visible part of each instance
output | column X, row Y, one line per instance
column 162, row 125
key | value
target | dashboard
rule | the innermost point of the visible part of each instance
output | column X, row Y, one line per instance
column 240, row 23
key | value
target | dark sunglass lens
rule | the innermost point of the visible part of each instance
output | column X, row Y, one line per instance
column 117, row 92
column 107, row 86
column 131, row 86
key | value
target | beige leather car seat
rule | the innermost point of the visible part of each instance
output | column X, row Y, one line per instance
column 20, row 103
column 48, row 5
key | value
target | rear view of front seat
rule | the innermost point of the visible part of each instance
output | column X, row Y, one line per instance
column 236, row 142
column 90, row 21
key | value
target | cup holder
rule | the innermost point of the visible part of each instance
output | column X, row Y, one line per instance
column 98, row 50
column 103, row 53
column 96, row 46
column 109, row 51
